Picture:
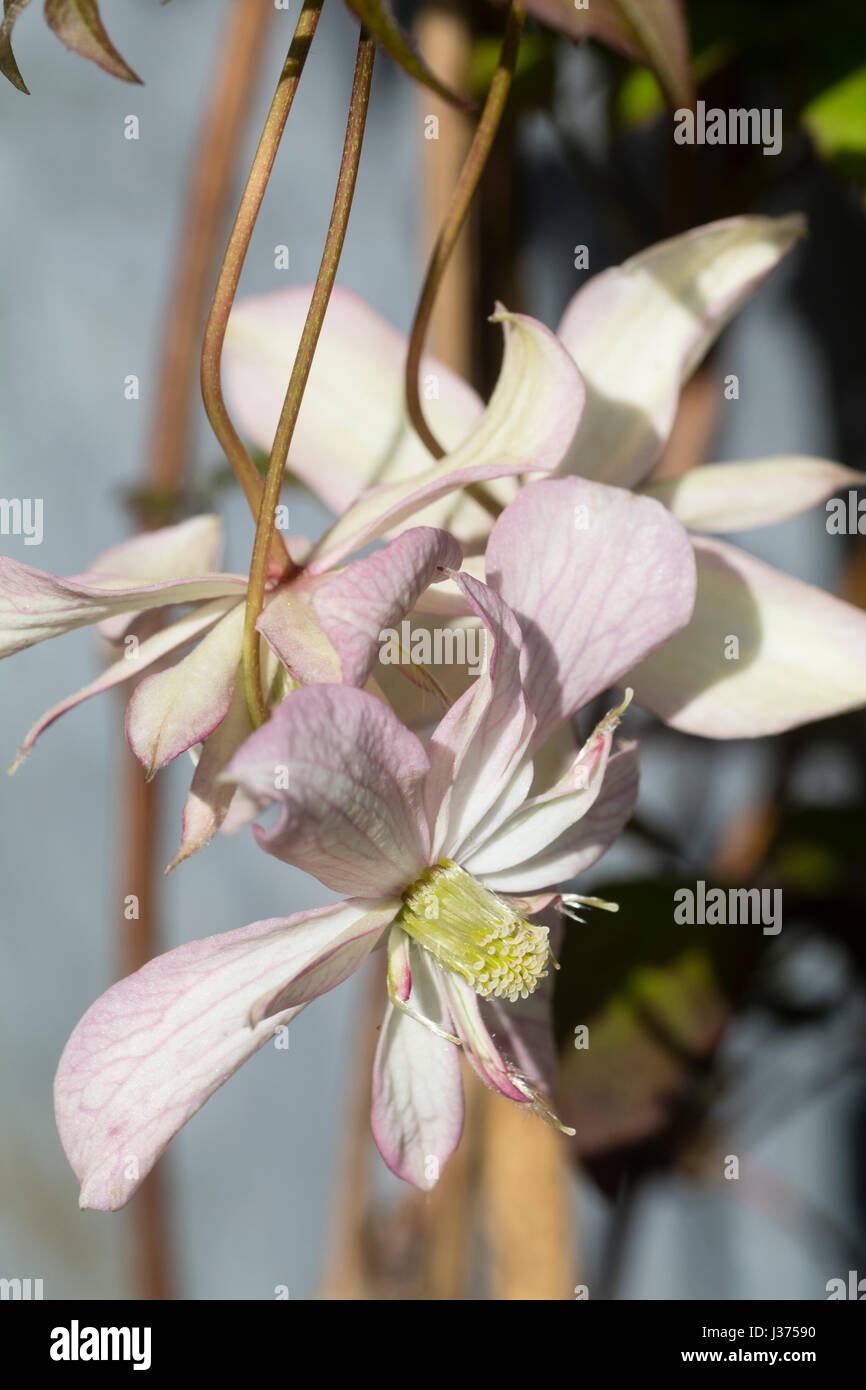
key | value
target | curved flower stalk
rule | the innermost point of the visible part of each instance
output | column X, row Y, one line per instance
column 321, row 625
column 447, row 852
column 197, row 699
column 636, row 332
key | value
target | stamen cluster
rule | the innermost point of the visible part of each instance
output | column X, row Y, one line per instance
column 475, row 933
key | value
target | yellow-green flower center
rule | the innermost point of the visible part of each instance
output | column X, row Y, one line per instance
column 474, row 932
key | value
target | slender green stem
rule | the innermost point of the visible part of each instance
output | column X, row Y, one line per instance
column 357, row 120
column 233, row 263
column 455, row 217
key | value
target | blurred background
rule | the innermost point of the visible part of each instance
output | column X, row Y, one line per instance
column 706, row 1043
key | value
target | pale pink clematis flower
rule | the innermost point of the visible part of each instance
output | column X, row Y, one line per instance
column 636, row 332
column 323, row 625
column 446, row 852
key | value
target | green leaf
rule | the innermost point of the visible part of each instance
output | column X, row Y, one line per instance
column 640, row 98
column 8, row 65
column 806, row 51
column 533, row 75
column 78, row 24
column 836, row 121
column 377, row 17
column 652, row 31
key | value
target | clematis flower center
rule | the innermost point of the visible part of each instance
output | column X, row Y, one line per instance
column 475, row 933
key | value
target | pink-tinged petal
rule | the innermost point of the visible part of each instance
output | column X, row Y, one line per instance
column 417, row 1110
column 543, row 819
column 638, row 331
column 534, row 903
column 333, row 964
column 294, row 634
column 173, row 710
column 152, row 649
column 156, row 1046
column 449, row 640
column 480, row 1049
column 35, row 606
column 478, row 769
column 445, row 598
column 242, row 809
column 763, row 653
column 583, row 843
column 352, row 432
column 650, row 31
column 213, row 803
column 511, row 1046
column 172, row 552
column 376, row 593
column 209, row 799
column 347, row 778
column 190, row 548
column 527, row 427
column 739, row 496
column 597, row 578
column 419, row 694
column 399, row 965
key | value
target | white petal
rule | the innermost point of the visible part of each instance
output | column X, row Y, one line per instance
column 153, row 649
column 156, row 1046
column 582, row 844
column 352, row 432
column 171, row 711
column 417, row 1112
column 637, row 332
column 762, row 653
column 35, row 606
column 739, row 496
column 526, row 428
column 543, row 819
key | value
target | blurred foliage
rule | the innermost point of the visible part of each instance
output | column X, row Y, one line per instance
column 78, row 24
column 652, row 31
column 658, row 996
column 777, row 53
column 616, row 956
column 8, row 65
column 655, row 997
column 808, row 47
column 836, row 121
column 533, row 76
column 639, row 97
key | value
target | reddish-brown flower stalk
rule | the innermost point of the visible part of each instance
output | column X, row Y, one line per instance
column 265, row 532
column 233, row 263
column 455, row 218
